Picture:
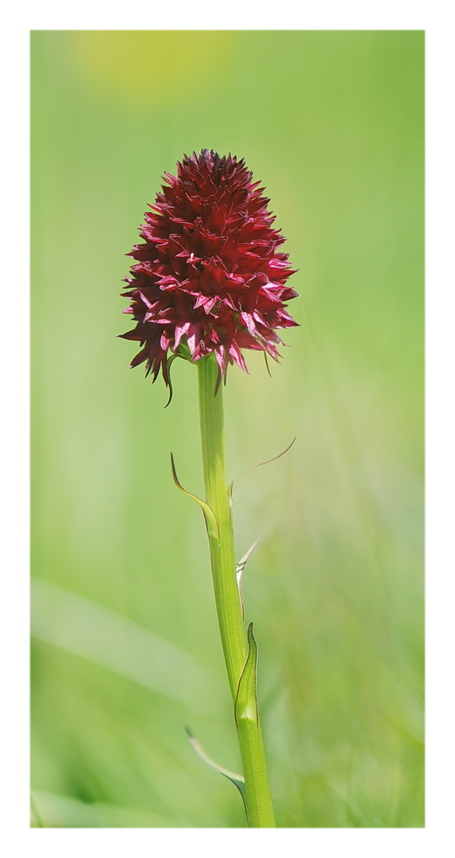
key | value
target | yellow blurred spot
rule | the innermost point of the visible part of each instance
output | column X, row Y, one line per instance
column 151, row 65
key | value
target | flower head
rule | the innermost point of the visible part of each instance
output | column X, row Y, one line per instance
column 209, row 277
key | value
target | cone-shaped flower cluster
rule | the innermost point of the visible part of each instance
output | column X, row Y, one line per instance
column 209, row 277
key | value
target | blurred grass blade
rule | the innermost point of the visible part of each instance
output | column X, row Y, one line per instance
column 252, row 468
column 86, row 629
column 36, row 813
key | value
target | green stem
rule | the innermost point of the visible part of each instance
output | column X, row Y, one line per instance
column 239, row 654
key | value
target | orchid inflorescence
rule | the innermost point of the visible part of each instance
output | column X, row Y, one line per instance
column 209, row 277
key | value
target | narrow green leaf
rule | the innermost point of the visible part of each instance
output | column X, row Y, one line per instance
column 240, row 568
column 209, row 516
column 236, row 779
column 244, row 559
column 246, row 704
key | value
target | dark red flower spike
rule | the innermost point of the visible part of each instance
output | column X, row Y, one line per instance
column 209, row 277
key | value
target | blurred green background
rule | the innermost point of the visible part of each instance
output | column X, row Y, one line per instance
column 125, row 647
